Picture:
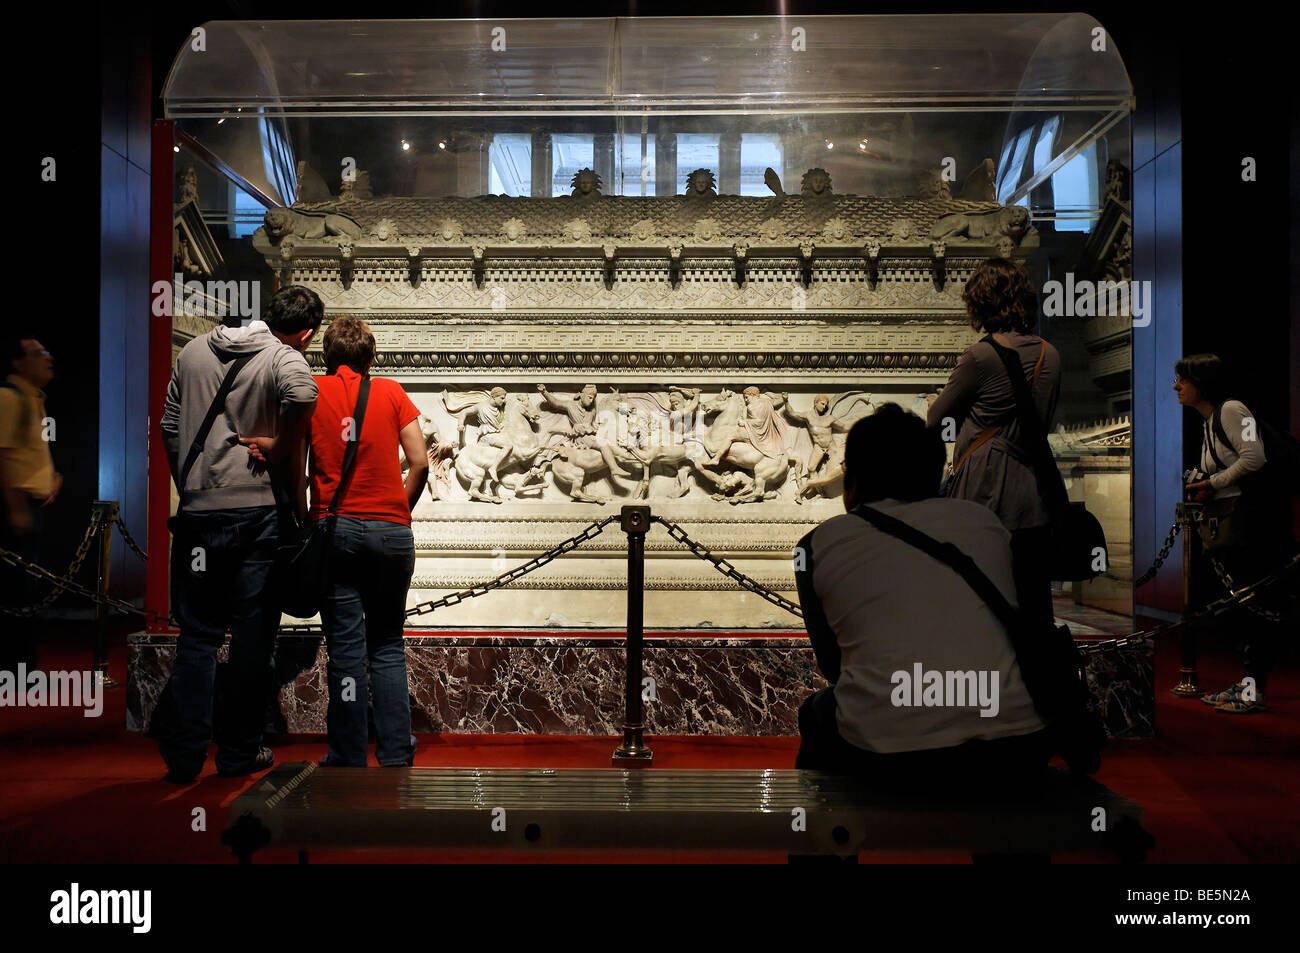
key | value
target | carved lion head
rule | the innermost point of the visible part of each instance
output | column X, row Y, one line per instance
column 278, row 223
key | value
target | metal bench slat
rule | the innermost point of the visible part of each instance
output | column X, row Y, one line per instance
column 303, row 806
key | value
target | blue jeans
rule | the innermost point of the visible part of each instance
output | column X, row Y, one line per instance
column 220, row 567
column 364, row 616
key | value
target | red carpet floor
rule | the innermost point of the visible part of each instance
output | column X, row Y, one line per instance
column 1216, row 788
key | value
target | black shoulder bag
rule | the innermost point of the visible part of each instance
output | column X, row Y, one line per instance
column 1049, row 660
column 302, row 564
column 1078, row 542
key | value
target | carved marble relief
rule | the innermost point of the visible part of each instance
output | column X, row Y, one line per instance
column 704, row 353
column 598, row 443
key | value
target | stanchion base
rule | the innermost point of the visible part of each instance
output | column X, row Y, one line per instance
column 632, row 753
column 625, row 757
column 1188, row 687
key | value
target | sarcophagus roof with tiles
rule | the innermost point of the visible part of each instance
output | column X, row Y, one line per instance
column 703, row 353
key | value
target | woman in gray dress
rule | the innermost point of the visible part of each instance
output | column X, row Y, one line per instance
column 991, row 465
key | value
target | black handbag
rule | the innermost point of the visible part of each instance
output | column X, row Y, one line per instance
column 1078, row 544
column 1049, row 659
column 1223, row 525
column 302, row 567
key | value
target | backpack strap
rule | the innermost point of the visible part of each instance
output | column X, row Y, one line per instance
column 1050, row 482
column 992, row 432
column 218, row 403
column 350, row 454
column 1217, row 429
column 954, row 558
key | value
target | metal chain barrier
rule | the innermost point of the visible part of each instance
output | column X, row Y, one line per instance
column 130, row 541
column 728, row 570
column 1240, row 597
column 507, row 577
column 1226, row 579
column 1150, row 574
column 74, row 567
column 1244, row 597
column 67, row 585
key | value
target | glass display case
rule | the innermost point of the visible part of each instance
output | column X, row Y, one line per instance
column 625, row 224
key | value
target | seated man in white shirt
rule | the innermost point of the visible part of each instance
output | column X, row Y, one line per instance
column 925, row 687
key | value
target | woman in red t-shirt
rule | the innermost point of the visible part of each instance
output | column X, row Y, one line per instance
column 373, row 554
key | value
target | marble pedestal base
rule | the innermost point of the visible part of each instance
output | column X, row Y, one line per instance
column 572, row 683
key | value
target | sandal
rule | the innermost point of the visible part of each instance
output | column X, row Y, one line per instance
column 1227, row 695
column 1239, row 706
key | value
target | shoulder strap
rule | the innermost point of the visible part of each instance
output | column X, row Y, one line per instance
column 350, row 454
column 992, row 432
column 218, row 402
column 1217, row 418
column 958, row 561
column 1051, row 485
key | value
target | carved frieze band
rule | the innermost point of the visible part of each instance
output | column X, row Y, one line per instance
column 581, row 284
column 878, row 361
column 601, row 332
column 762, row 534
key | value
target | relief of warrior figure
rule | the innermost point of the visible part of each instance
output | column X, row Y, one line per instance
column 748, row 435
column 489, row 414
column 583, row 412
column 760, row 427
column 506, row 439
column 822, row 424
column 670, row 444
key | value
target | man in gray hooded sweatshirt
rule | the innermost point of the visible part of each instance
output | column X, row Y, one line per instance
column 225, row 531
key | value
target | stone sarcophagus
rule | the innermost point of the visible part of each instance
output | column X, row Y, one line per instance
column 703, row 353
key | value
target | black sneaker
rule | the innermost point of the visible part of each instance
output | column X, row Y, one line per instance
column 265, row 759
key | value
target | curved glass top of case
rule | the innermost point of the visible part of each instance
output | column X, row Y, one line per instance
column 653, row 65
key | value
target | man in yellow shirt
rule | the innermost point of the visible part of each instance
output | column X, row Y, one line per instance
column 27, row 478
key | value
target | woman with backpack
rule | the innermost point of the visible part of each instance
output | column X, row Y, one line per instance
column 1246, row 527
column 993, row 463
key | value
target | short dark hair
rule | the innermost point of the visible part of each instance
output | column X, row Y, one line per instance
column 893, row 455
column 1207, row 374
column 14, row 349
column 348, row 340
column 292, row 309
column 1000, row 297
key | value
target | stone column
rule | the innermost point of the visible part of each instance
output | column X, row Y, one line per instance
column 543, row 165
column 603, row 162
column 666, row 179
column 729, row 163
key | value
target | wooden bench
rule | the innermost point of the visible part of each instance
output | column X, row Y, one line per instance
column 305, row 807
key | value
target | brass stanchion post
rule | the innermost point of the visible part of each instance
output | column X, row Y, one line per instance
column 1188, row 514
column 633, row 751
column 105, row 513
